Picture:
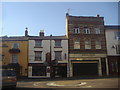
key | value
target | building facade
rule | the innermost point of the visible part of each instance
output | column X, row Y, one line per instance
column 48, row 56
column 86, row 45
column 113, row 48
column 14, row 52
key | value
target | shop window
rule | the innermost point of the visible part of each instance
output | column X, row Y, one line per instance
column 38, row 71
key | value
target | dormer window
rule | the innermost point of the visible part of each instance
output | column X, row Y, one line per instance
column 76, row 30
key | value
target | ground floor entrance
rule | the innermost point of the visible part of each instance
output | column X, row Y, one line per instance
column 85, row 69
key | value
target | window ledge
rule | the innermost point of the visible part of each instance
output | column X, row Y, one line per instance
column 57, row 47
column 38, row 47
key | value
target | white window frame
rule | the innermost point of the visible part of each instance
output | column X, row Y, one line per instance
column 76, row 30
column 86, row 31
column 97, row 30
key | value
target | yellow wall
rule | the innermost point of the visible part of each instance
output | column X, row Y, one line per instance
column 22, row 56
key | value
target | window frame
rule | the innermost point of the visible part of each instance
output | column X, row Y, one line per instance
column 86, row 30
column 76, row 30
column 38, row 44
column 58, row 43
column 60, row 56
column 38, row 56
column 86, row 45
column 13, row 45
column 98, row 45
column 15, row 59
column 76, row 43
column 97, row 30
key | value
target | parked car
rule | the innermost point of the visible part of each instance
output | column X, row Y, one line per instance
column 8, row 78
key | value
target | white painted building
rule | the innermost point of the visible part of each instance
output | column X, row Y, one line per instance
column 40, row 48
column 113, row 48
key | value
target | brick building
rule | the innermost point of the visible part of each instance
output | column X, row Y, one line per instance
column 87, row 46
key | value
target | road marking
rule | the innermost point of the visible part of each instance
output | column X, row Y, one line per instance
column 53, row 84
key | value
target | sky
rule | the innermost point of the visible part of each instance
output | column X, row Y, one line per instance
column 50, row 16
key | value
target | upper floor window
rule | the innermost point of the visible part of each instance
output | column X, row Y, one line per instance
column 14, row 58
column 15, row 45
column 98, row 44
column 58, row 55
column 117, row 35
column 86, row 31
column 117, row 49
column 76, row 44
column 38, row 55
column 87, row 44
column 38, row 43
column 76, row 30
column 57, row 43
column 97, row 31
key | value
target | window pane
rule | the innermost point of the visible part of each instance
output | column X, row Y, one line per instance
column 14, row 58
column 38, row 55
column 77, row 44
column 97, row 31
column 15, row 45
column 38, row 43
column 117, row 49
column 57, row 43
column 87, row 44
column 86, row 31
column 98, row 45
column 58, row 55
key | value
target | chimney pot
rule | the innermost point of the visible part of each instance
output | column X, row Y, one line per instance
column 41, row 33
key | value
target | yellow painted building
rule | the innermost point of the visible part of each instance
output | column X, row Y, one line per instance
column 15, row 50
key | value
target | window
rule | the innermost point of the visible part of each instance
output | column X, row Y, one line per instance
column 97, row 44
column 38, row 43
column 38, row 55
column 87, row 44
column 38, row 71
column 57, row 43
column 76, row 30
column 58, row 55
column 76, row 44
column 117, row 49
column 86, row 31
column 117, row 35
column 15, row 45
column 14, row 58
column 97, row 31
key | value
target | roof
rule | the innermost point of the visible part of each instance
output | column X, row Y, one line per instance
column 112, row 26
column 48, row 37
column 23, row 38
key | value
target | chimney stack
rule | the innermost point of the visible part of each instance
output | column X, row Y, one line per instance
column 26, row 31
column 41, row 33
column 97, row 15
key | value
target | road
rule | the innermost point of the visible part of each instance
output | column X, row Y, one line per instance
column 79, row 83
column 44, row 84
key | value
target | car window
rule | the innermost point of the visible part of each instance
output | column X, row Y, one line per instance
column 8, row 73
